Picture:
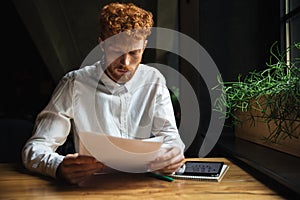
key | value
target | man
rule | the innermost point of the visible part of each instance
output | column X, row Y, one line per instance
column 117, row 96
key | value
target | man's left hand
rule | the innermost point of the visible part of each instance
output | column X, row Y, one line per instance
column 168, row 161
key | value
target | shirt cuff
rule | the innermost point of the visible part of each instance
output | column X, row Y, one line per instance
column 53, row 164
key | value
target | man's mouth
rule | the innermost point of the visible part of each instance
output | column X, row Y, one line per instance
column 122, row 70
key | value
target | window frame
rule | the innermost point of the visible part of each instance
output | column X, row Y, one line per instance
column 287, row 17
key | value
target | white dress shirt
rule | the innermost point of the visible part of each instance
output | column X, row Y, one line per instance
column 88, row 100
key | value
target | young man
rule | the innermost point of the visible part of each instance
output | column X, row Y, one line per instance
column 117, row 96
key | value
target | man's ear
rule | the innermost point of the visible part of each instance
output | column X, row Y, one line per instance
column 100, row 41
column 145, row 44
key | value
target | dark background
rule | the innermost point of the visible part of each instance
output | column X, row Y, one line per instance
column 236, row 33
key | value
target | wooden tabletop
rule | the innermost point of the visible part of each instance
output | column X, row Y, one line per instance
column 17, row 183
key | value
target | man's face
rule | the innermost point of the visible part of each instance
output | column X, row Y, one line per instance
column 123, row 56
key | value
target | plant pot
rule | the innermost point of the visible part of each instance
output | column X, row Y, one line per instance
column 255, row 128
column 271, row 98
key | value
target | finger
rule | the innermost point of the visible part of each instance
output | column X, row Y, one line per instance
column 78, row 159
column 87, row 159
column 74, row 155
column 168, row 155
column 171, row 168
column 83, row 179
column 82, row 173
column 76, row 168
column 175, row 165
column 75, row 174
column 78, row 179
column 171, row 157
column 163, row 164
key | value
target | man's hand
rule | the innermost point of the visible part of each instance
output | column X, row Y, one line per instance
column 168, row 161
column 77, row 168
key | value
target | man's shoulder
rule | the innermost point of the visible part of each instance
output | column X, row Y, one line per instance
column 90, row 70
column 150, row 71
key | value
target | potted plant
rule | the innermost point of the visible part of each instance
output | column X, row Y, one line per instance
column 264, row 106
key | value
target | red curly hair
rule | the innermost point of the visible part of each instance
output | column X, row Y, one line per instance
column 117, row 17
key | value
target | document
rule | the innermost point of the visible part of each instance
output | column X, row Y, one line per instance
column 127, row 155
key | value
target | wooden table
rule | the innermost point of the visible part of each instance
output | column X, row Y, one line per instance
column 17, row 183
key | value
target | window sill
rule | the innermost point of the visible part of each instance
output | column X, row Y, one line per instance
column 281, row 167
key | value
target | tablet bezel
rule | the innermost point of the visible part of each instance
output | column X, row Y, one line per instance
column 211, row 174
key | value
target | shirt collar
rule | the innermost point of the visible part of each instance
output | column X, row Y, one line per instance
column 114, row 87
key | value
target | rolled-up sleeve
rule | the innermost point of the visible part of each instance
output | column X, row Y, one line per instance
column 51, row 129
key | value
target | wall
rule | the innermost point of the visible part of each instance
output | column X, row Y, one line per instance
column 45, row 39
column 236, row 34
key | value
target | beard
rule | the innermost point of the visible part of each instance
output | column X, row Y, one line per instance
column 120, row 74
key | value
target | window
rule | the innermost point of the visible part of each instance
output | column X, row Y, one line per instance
column 290, row 24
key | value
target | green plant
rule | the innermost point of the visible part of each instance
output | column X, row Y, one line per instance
column 272, row 95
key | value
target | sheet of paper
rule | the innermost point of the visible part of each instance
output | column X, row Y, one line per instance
column 122, row 154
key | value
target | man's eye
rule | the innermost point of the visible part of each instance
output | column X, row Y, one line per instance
column 134, row 52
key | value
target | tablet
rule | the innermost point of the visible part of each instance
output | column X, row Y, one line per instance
column 201, row 168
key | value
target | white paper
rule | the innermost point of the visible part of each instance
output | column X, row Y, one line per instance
column 122, row 154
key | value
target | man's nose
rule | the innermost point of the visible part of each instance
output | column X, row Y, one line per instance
column 125, row 60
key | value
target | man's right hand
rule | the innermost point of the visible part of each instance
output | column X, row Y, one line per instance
column 77, row 168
